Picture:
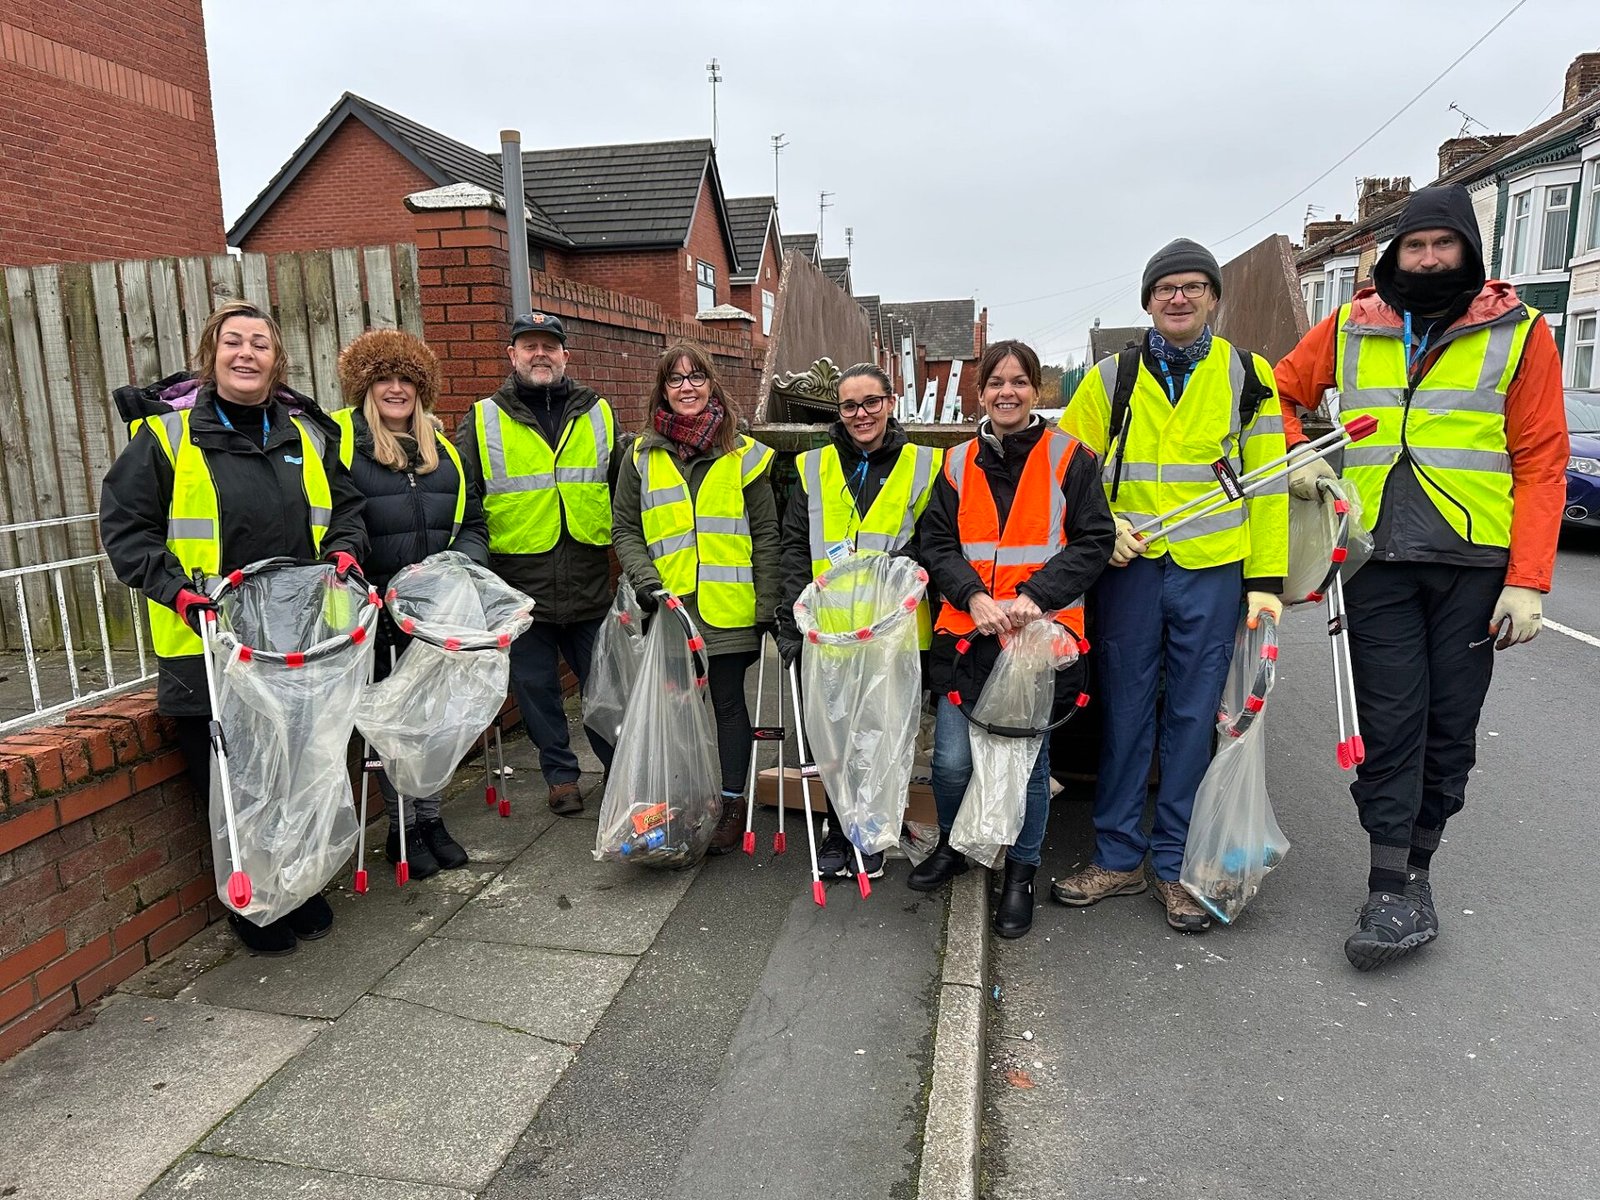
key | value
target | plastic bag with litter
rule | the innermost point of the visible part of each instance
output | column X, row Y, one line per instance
column 618, row 651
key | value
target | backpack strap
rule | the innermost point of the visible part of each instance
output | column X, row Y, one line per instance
column 1251, row 392
column 1121, row 410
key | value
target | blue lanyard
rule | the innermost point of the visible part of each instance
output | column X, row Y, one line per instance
column 1412, row 359
column 266, row 422
column 1166, row 378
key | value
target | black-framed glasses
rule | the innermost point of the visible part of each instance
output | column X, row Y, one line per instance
column 871, row 405
column 698, row 378
column 1166, row 291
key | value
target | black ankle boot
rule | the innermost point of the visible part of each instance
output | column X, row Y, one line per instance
column 942, row 865
column 1013, row 916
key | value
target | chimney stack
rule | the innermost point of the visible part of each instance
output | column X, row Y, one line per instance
column 1583, row 79
column 1321, row 231
column 1457, row 150
column 1378, row 193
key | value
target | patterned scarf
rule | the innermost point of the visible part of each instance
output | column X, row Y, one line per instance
column 1187, row 357
column 690, row 436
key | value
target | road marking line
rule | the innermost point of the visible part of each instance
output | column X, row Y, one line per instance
column 1573, row 633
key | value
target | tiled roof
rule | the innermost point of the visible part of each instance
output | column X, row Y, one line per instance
column 641, row 194
column 749, row 218
column 806, row 243
column 838, row 270
column 1113, row 339
column 943, row 327
column 870, row 306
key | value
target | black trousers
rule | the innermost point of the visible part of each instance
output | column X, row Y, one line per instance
column 725, row 678
column 1420, row 685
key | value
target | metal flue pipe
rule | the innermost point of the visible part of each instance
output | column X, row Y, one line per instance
column 516, row 223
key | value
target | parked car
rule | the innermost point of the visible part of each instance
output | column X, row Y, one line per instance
column 1583, row 467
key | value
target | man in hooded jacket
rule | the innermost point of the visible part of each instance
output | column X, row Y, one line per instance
column 1463, row 483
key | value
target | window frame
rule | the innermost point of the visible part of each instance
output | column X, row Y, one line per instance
column 705, row 276
column 1545, row 209
column 1579, row 344
column 1589, row 206
column 769, row 306
column 1516, row 252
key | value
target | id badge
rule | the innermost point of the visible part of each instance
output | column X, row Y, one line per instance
column 840, row 551
column 1228, row 479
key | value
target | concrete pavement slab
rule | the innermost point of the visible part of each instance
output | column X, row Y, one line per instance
column 402, row 1092
column 101, row 1111
column 950, row 1134
column 554, row 994
column 370, row 935
column 558, row 897
column 211, row 1177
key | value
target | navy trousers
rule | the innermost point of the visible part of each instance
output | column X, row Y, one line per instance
column 536, row 683
column 1153, row 616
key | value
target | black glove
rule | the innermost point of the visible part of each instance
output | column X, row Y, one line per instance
column 648, row 600
column 789, row 651
column 765, row 629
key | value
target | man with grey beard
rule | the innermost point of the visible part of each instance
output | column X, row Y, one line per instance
column 542, row 452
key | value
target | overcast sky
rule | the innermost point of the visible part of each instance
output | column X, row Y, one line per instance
column 1032, row 155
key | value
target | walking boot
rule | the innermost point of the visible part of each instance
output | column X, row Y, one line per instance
column 447, row 852
column 730, row 825
column 1095, row 883
column 564, row 799
column 311, row 920
column 271, row 940
column 1388, row 928
column 1419, row 890
column 1013, row 917
column 421, row 859
column 943, row 865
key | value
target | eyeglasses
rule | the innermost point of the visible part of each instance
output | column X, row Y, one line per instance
column 871, row 405
column 698, row 378
column 1166, row 291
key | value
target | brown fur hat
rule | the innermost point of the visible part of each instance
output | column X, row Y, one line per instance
column 382, row 352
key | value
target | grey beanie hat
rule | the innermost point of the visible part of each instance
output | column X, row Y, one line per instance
column 1179, row 255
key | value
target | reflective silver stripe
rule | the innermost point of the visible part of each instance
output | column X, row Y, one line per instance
column 812, row 466
column 956, row 463
column 1136, row 518
column 921, row 475
column 1277, row 487
column 1265, row 425
column 1352, row 360
column 602, row 449
column 321, row 516
column 1235, row 386
column 455, row 530
column 1370, row 456
column 318, row 442
column 736, row 525
column 672, row 545
column 978, row 551
column 1497, row 355
column 726, row 574
column 1484, row 400
column 1022, row 556
column 1213, row 523
column 580, row 474
column 1186, row 473
column 880, row 543
column 518, row 483
column 191, row 529
column 1060, row 444
column 493, row 440
column 1490, row 461
column 751, row 459
column 1107, row 367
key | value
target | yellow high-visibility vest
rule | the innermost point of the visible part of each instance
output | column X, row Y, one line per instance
column 194, row 533
column 1168, row 452
column 345, row 419
column 890, row 520
column 702, row 546
column 529, row 489
column 1452, row 427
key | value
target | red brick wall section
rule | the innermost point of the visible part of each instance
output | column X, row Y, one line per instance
column 351, row 194
column 105, row 861
column 707, row 243
column 653, row 275
column 106, row 124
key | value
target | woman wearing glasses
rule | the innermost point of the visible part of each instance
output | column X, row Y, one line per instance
column 864, row 492
column 691, row 472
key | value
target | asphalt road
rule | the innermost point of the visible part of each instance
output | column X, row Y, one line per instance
column 1253, row 1061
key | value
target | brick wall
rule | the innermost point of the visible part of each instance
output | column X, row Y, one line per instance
column 352, row 193
column 107, row 134
column 105, row 862
column 748, row 295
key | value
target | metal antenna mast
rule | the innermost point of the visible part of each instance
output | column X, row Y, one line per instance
column 713, row 77
column 822, row 210
column 849, row 242
column 777, row 148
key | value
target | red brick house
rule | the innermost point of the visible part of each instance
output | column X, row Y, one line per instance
column 107, row 146
column 648, row 219
column 759, row 244
column 944, row 332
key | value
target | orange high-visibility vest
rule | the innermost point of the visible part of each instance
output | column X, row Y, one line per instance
column 1035, row 528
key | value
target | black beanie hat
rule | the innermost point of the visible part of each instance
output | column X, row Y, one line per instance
column 1174, row 257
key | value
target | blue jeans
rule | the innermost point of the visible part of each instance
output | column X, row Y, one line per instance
column 952, row 768
column 1153, row 614
column 536, row 684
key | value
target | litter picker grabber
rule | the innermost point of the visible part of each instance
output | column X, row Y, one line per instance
column 238, row 882
column 763, row 733
column 780, row 839
column 807, row 770
column 1216, row 499
column 493, row 795
column 1352, row 749
column 402, row 869
column 368, row 765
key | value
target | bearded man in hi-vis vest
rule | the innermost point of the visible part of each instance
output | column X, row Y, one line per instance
column 1463, row 485
column 541, row 452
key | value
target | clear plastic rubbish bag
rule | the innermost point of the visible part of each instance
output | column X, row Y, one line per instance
column 292, row 651
column 451, row 680
column 618, row 651
column 1234, row 838
column 861, row 689
column 1018, row 695
column 663, row 796
column 1325, row 536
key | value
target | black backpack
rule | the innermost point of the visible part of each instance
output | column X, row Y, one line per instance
column 1251, row 393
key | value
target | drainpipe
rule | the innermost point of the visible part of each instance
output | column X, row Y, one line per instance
column 516, row 225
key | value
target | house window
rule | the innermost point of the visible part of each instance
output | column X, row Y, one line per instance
column 705, row 278
column 1592, row 242
column 1347, row 286
column 768, row 303
column 1521, row 222
column 1582, row 358
column 1557, row 224
column 1316, row 293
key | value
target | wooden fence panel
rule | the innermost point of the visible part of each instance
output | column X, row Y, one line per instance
column 407, row 291
column 350, row 311
column 141, row 321
column 256, row 289
column 113, row 341
column 16, row 471
column 322, row 322
column 292, row 320
column 380, row 288
column 196, row 302
column 225, row 285
column 169, row 324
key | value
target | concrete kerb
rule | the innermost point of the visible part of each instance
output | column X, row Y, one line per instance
column 955, row 1101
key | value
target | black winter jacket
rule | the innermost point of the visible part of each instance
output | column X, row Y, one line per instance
column 408, row 516
column 1091, row 536
column 261, row 502
column 572, row 580
column 795, row 539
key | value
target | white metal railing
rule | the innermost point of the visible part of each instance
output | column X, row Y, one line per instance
column 47, row 707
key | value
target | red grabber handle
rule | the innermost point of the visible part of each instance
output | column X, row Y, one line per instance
column 361, row 882
column 819, row 894
column 239, row 890
column 865, row 884
column 1363, row 426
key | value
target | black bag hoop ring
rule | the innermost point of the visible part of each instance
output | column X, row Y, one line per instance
column 965, row 703
column 1341, row 538
column 234, row 580
column 1235, row 724
column 697, row 644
